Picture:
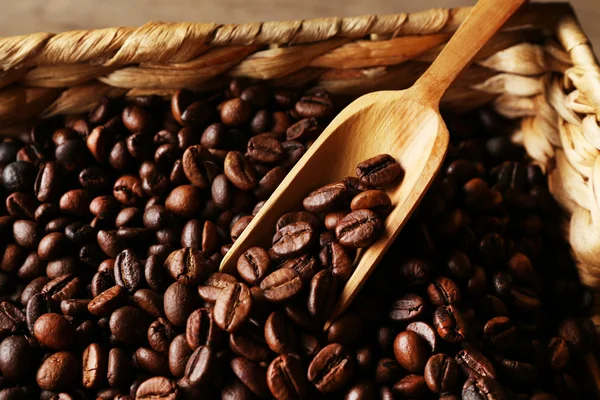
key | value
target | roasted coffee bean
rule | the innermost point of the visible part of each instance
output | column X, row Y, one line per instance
column 443, row 291
column 331, row 368
column 482, row 388
column 249, row 345
column 160, row 335
column 198, row 167
column 253, row 265
column 279, row 333
column 387, row 370
column 269, row 182
column 411, row 386
column 26, row 234
column 322, row 294
column 128, row 270
column 449, row 324
column 159, row 388
column 16, row 357
column 294, row 239
column 188, row 266
column 94, row 363
column 18, row 176
column 558, row 353
column 441, row 373
column 128, row 190
column 304, row 129
column 118, row 368
column 285, row 378
column 151, row 361
column 184, row 201
column 199, row 366
column 21, row 205
column 459, row 265
column 474, row 364
column 201, row 329
column 47, row 183
column 252, row 376
column 127, row 324
column 306, row 265
column 263, row 148
column 235, row 112
column 54, row 331
column 239, row 171
column 411, row 351
column 346, row 329
column 179, row 352
column 325, row 198
column 358, row 229
column 379, row 170
column 212, row 286
column 500, row 332
column 149, row 301
column 298, row 216
column 61, row 288
column 107, row 301
column 374, row 200
column 281, row 285
column 335, row 257
column 233, row 307
column 59, row 371
column 179, row 302
column 407, row 308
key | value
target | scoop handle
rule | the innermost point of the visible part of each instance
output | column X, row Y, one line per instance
column 485, row 19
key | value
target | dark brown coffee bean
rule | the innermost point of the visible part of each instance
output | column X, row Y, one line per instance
column 558, row 353
column 253, row 265
column 47, row 182
column 293, row 151
column 21, row 205
column 269, row 182
column 374, row 200
column 151, row 361
column 482, row 388
column 314, row 106
column 279, row 333
column 460, row 265
column 128, row 270
column 239, row 226
column 449, row 324
column 306, row 265
column 26, row 234
column 107, row 301
column 443, row 291
column 232, row 308
column 387, row 370
column 75, row 307
column 265, row 149
column 411, row 386
column 252, row 376
column 250, row 343
column 16, row 358
column 59, row 371
column 411, row 351
column 294, row 239
column 281, row 285
column 201, row 329
column 61, row 288
column 346, row 329
column 199, row 366
column 425, row 331
column 179, row 353
column 358, row 229
column 128, row 190
column 239, row 171
column 441, row 373
column 500, row 332
column 379, row 170
column 334, row 257
column 94, row 363
column 325, row 198
column 33, row 287
column 160, row 335
column 298, row 216
column 188, row 266
column 198, row 167
column 304, row 129
column 235, row 112
column 118, row 368
column 331, row 368
column 285, row 378
column 407, row 308
column 333, row 218
column 212, row 286
column 179, row 302
column 322, row 294
column 157, row 388
column 128, row 324
column 12, row 257
column 149, row 301
column 184, row 201
column 474, row 364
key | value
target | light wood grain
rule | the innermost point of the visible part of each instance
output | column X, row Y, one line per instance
column 405, row 124
column 27, row 16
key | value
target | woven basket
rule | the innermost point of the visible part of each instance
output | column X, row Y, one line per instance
column 540, row 69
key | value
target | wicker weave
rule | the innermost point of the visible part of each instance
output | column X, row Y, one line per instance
column 540, row 69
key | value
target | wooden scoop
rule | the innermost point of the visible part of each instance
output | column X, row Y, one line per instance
column 405, row 124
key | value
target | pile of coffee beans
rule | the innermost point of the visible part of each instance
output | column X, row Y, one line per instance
column 115, row 222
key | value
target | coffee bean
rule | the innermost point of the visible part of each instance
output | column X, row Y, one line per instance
column 235, row 112
column 441, row 373
column 59, row 371
column 281, row 285
column 379, row 170
column 179, row 302
column 250, row 343
column 306, row 265
column 239, row 171
column 500, row 333
column 425, row 331
column 128, row 270
column 269, row 182
column 157, row 388
column 298, row 216
column 279, row 333
column 184, row 201
column 149, row 301
column 160, row 335
column 54, row 331
column 337, row 259
column 322, row 294
column 304, row 129
column 201, row 329
column 47, row 183
column 61, row 288
column 151, row 361
column 26, row 234
column 198, row 167
column 18, row 176
column 285, row 378
column 346, row 329
column 34, row 287
column 253, row 265
column 411, row 351
column 188, row 266
column 443, row 291
column 95, row 363
column 179, row 352
column 107, row 301
column 213, row 285
column 358, row 229
column 387, row 370
column 16, row 357
column 118, row 368
column 482, row 388
column 199, row 365
column 474, row 364
column 252, row 376
column 21, row 205
column 294, row 239
column 233, row 307
column 374, row 200
column 558, row 353
column 449, row 324
column 128, row 324
column 411, row 386
column 263, row 148
column 331, row 368
column 325, row 198
column 407, row 308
